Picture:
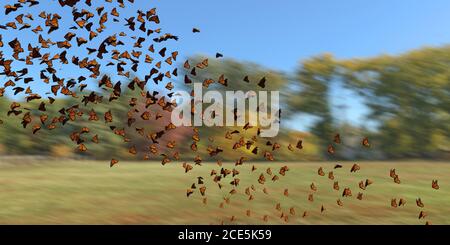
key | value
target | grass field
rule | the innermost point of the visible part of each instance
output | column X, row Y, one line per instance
column 80, row 192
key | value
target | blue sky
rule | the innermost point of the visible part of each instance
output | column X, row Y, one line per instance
column 279, row 34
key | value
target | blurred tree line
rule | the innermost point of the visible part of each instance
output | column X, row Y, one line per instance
column 408, row 97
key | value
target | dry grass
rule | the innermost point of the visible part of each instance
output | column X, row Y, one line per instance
column 80, row 192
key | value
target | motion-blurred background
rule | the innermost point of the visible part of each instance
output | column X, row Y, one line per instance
column 377, row 69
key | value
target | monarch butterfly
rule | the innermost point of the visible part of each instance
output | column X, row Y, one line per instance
column 278, row 206
column 422, row 215
column 187, row 80
column 80, row 23
column 187, row 167
column 42, row 106
column 222, row 80
column 132, row 150
column 43, row 118
column 95, row 139
column 392, row 173
column 337, row 139
column 434, row 184
column 330, row 149
column 203, row 64
column 365, row 142
column 165, row 160
column 347, row 192
column 168, row 61
column 136, row 54
column 162, row 52
column 200, row 180
column 320, row 171
column 37, row 29
column 261, row 179
column 186, row 65
column 247, row 191
column 292, row 211
column 171, row 144
column 255, row 150
column 275, row 146
column 283, row 170
column 394, row 202
column 92, row 35
column 145, row 115
column 174, row 55
column 290, row 147
column 198, row 160
column 36, row 128
column 154, row 18
column 331, row 175
column 419, row 203
column 189, row 192
column 359, row 196
column 304, row 214
column 12, row 8
column 113, row 162
column 235, row 172
column 202, row 190
column 262, row 82
column 235, row 182
column 114, row 12
column 108, row 116
column 355, row 168
column 28, row 91
column 268, row 156
column 397, row 179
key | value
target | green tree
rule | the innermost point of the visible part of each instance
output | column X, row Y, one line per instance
column 409, row 97
column 313, row 80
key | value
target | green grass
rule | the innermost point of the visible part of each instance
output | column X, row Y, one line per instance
column 72, row 192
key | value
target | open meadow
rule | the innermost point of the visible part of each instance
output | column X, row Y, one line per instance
column 89, row 192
